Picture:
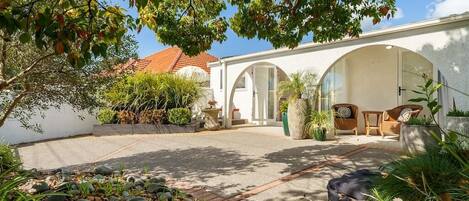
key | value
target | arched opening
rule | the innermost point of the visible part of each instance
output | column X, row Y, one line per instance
column 378, row 77
column 254, row 96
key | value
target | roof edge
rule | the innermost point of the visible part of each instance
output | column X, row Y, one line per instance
column 392, row 30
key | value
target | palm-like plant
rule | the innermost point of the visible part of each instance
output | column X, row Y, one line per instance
column 297, row 85
column 292, row 88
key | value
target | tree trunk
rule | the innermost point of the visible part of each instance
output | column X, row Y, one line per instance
column 297, row 118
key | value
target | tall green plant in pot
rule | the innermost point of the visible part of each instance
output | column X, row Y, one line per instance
column 297, row 104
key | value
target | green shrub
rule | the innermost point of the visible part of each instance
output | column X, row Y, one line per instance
column 419, row 121
column 156, row 116
column 422, row 177
column 457, row 113
column 144, row 91
column 179, row 116
column 107, row 116
column 8, row 159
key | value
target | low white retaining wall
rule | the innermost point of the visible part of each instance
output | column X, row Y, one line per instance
column 57, row 123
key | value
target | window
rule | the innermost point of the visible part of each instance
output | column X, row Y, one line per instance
column 241, row 83
column 221, row 78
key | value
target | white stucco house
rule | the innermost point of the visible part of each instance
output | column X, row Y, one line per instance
column 376, row 71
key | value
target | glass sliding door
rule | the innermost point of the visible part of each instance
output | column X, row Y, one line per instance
column 264, row 96
column 413, row 66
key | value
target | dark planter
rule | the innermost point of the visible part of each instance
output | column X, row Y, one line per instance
column 320, row 134
column 130, row 129
column 286, row 132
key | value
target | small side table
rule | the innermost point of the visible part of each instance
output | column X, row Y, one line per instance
column 379, row 121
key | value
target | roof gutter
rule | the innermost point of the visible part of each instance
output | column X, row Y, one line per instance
column 397, row 29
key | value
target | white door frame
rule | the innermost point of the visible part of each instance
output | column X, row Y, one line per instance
column 264, row 121
column 400, row 78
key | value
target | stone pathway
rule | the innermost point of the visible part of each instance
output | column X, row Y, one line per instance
column 245, row 163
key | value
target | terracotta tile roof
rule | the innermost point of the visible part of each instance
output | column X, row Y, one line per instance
column 172, row 59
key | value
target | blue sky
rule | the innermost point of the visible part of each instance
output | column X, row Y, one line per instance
column 408, row 11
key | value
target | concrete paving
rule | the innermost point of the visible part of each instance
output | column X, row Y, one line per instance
column 229, row 161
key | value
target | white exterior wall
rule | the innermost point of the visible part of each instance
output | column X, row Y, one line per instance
column 57, row 123
column 444, row 42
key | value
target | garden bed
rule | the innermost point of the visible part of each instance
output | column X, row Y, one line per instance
column 126, row 129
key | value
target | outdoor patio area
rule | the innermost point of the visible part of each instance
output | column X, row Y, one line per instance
column 257, row 163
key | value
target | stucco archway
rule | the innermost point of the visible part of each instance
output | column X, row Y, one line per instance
column 244, row 91
column 374, row 77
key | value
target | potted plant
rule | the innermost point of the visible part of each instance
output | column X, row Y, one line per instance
column 458, row 121
column 318, row 125
column 211, row 116
column 284, row 110
column 295, row 88
column 417, row 135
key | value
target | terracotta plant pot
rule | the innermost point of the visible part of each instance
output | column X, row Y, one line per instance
column 297, row 111
column 417, row 138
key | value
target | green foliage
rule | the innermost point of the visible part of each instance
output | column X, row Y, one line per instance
column 297, row 85
column 144, row 91
column 8, row 159
column 52, row 82
column 426, row 94
column 318, row 123
column 458, row 113
column 439, row 174
column 285, row 23
column 107, row 116
column 419, row 121
column 179, row 116
column 284, row 107
column 83, row 29
column 191, row 25
column 422, row 177
column 77, row 29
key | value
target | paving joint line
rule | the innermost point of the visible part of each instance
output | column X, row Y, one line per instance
column 123, row 148
column 313, row 168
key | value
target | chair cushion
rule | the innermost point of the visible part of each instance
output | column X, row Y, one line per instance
column 405, row 115
column 344, row 112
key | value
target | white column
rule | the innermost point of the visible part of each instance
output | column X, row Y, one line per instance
column 226, row 99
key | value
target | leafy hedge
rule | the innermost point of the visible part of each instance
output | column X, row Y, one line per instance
column 143, row 91
column 146, row 98
column 179, row 116
column 8, row 160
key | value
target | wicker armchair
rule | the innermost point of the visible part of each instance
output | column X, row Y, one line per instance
column 346, row 123
column 391, row 124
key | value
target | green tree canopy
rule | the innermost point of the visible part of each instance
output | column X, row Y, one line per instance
column 54, row 45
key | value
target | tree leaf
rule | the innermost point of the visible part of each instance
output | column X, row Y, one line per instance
column 25, row 37
column 418, row 99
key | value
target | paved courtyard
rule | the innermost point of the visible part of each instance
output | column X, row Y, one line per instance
column 257, row 163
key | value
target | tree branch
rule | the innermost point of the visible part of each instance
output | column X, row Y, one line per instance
column 12, row 106
column 7, row 83
column 3, row 59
